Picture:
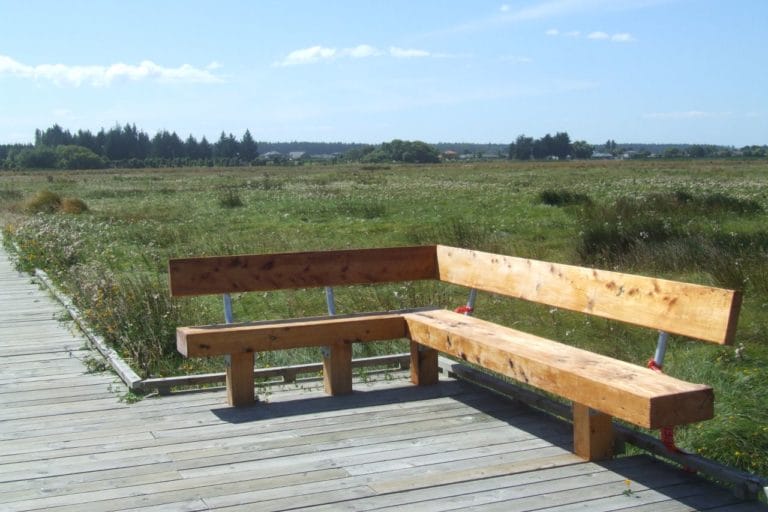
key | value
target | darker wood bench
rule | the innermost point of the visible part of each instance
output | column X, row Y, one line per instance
column 600, row 387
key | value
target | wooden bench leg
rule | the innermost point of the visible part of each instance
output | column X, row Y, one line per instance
column 337, row 369
column 240, row 380
column 592, row 433
column 423, row 365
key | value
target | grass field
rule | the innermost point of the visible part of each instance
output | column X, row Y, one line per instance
column 698, row 221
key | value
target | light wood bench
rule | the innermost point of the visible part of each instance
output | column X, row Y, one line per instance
column 600, row 387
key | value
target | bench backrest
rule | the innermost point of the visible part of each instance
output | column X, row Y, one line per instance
column 266, row 272
column 690, row 310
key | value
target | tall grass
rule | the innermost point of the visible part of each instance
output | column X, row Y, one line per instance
column 662, row 232
column 695, row 222
column 134, row 313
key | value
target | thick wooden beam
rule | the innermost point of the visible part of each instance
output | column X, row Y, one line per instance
column 593, row 437
column 424, row 368
column 240, row 390
column 264, row 272
column 217, row 340
column 629, row 392
column 337, row 368
column 690, row 310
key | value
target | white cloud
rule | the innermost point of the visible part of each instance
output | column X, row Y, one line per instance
column 362, row 51
column 622, row 38
column 598, row 35
column 517, row 59
column 407, row 53
column 101, row 76
column 308, row 56
column 315, row 54
column 690, row 114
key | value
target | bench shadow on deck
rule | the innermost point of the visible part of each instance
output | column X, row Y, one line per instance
column 619, row 484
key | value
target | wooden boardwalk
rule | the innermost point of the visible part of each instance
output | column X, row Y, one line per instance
column 68, row 443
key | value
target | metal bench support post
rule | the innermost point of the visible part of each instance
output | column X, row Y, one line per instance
column 661, row 349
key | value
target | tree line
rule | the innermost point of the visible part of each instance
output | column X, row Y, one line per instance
column 557, row 147
column 129, row 147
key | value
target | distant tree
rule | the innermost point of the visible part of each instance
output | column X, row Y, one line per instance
column 87, row 140
column 248, row 147
column 117, row 145
column 581, row 149
column 167, row 145
column 419, row 152
column 78, row 157
column 191, row 148
column 53, row 136
column 359, row 153
column 42, row 157
column 524, row 147
column 702, row 151
column 204, row 149
column 561, row 145
column 512, row 151
column 226, row 147
column 543, row 147
column 755, row 151
column 674, row 153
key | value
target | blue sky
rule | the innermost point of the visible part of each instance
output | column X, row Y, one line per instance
column 683, row 71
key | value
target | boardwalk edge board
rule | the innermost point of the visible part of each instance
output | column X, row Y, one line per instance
column 125, row 372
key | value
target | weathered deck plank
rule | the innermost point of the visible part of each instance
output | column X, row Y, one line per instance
column 68, row 443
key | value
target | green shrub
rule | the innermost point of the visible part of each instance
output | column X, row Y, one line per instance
column 563, row 198
column 610, row 233
column 230, row 199
column 73, row 205
column 44, row 201
column 78, row 157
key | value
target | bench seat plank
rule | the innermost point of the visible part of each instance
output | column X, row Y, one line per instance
column 216, row 340
column 623, row 390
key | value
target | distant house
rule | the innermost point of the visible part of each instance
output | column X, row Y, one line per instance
column 297, row 155
column 273, row 157
column 597, row 155
column 449, row 155
column 327, row 157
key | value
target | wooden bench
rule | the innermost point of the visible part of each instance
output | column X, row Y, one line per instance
column 600, row 387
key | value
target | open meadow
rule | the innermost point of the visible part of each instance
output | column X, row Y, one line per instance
column 106, row 236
